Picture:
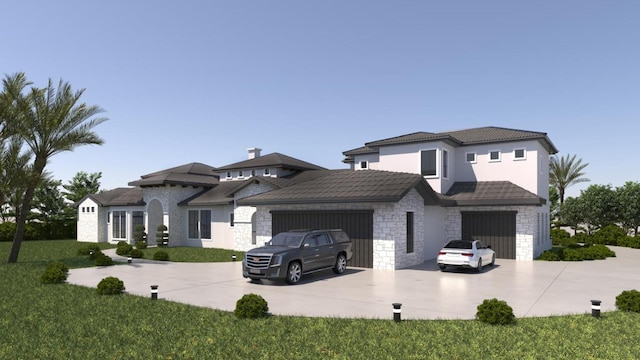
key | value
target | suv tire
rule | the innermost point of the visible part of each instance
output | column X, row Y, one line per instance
column 294, row 273
column 341, row 264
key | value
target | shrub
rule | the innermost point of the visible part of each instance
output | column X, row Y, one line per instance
column 88, row 249
column 103, row 260
column 140, row 236
column 559, row 237
column 597, row 252
column 161, row 255
column 495, row 312
column 630, row 241
column 110, row 286
column 608, row 235
column 573, row 254
column 136, row 253
column 123, row 248
column 550, row 255
column 628, row 300
column 56, row 273
column 162, row 237
column 251, row 306
column 7, row 230
column 581, row 238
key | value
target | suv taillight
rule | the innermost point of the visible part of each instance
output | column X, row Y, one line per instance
column 467, row 254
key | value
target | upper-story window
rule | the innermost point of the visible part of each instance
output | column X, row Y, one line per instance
column 253, row 173
column 494, row 155
column 470, row 157
column 519, row 154
column 266, row 172
column 428, row 162
column 445, row 164
column 364, row 165
column 240, row 174
column 228, row 174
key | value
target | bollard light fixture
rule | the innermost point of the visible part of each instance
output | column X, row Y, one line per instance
column 595, row 308
column 397, row 311
column 154, row 292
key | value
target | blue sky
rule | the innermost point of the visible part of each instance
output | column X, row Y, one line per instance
column 202, row 81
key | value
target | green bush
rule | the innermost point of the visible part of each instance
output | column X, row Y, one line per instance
column 88, row 249
column 550, row 255
column 581, row 238
column 56, row 273
column 573, row 254
column 162, row 236
column 102, row 260
column 141, row 245
column 495, row 312
column 7, row 231
column 630, row 241
column 608, row 235
column 597, row 252
column 560, row 237
column 251, row 306
column 140, row 236
column 161, row 255
column 110, row 286
column 136, row 253
column 628, row 300
column 123, row 249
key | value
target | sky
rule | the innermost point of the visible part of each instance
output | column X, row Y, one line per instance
column 202, row 81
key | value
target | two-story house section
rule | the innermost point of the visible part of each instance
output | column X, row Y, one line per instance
column 495, row 182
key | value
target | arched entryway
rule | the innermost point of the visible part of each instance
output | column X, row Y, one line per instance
column 154, row 216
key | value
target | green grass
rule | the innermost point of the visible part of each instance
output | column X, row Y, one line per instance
column 71, row 322
column 192, row 254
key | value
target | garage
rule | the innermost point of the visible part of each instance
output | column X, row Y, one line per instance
column 358, row 224
column 494, row 228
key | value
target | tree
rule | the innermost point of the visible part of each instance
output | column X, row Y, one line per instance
column 601, row 206
column 81, row 185
column 566, row 172
column 50, row 121
column 629, row 200
column 14, row 167
column 572, row 212
column 554, row 205
column 48, row 201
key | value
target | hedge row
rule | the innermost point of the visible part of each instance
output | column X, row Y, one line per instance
column 55, row 230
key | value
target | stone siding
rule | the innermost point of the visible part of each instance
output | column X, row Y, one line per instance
column 175, row 217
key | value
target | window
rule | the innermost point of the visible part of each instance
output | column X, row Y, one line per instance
column 231, row 220
column 266, row 171
column 200, row 224
column 428, row 162
column 519, row 154
column 409, row 232
column 108, row 217
column 240, row 174
column 228, row 174
column 83, row 209
column 471, row 158
column 93, row 209
column 364, row 165
column 253, row 173
column 137, row 218
column 445, row 164
column 494, row 155
column 119, row 225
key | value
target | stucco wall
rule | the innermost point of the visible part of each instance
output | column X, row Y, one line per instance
column 174, row 216
column 88, row 222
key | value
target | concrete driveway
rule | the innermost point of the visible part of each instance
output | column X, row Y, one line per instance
column 531, row 288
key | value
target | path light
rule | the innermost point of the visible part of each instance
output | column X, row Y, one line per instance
column 233, row 257
column 397, row 312
column 595, row 308
column 129, row 259
column 154, row 292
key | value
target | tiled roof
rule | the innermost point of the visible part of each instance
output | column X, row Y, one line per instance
column 272, row 160
column 343, row 186
column 118, row 197
column 482, row 135
column 491, row 193
column 193, row 174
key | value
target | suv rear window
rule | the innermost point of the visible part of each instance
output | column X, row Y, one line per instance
column 340, row 236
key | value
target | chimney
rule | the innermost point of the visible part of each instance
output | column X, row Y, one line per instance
column 254, row 153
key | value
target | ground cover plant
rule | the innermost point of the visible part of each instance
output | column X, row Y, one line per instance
column 71, row 322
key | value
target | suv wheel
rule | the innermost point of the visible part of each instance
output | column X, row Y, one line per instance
column 294, row 273
column 341, row 264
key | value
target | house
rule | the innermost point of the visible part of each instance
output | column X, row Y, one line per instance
column 401, row 199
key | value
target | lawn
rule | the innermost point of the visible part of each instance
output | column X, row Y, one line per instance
column 71, row 322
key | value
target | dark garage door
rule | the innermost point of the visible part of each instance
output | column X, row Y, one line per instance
column 495, row 228
column 357, row 224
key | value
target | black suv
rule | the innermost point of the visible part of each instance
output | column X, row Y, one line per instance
column 291, row 254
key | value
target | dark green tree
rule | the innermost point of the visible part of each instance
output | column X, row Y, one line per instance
column 629, row 200
column 565, row 172
column 49, row 120
column 601, row 206
column 572, row 212
column 81, row 185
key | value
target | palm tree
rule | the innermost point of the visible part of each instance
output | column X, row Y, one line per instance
column 51, row 121
column 566, row 172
